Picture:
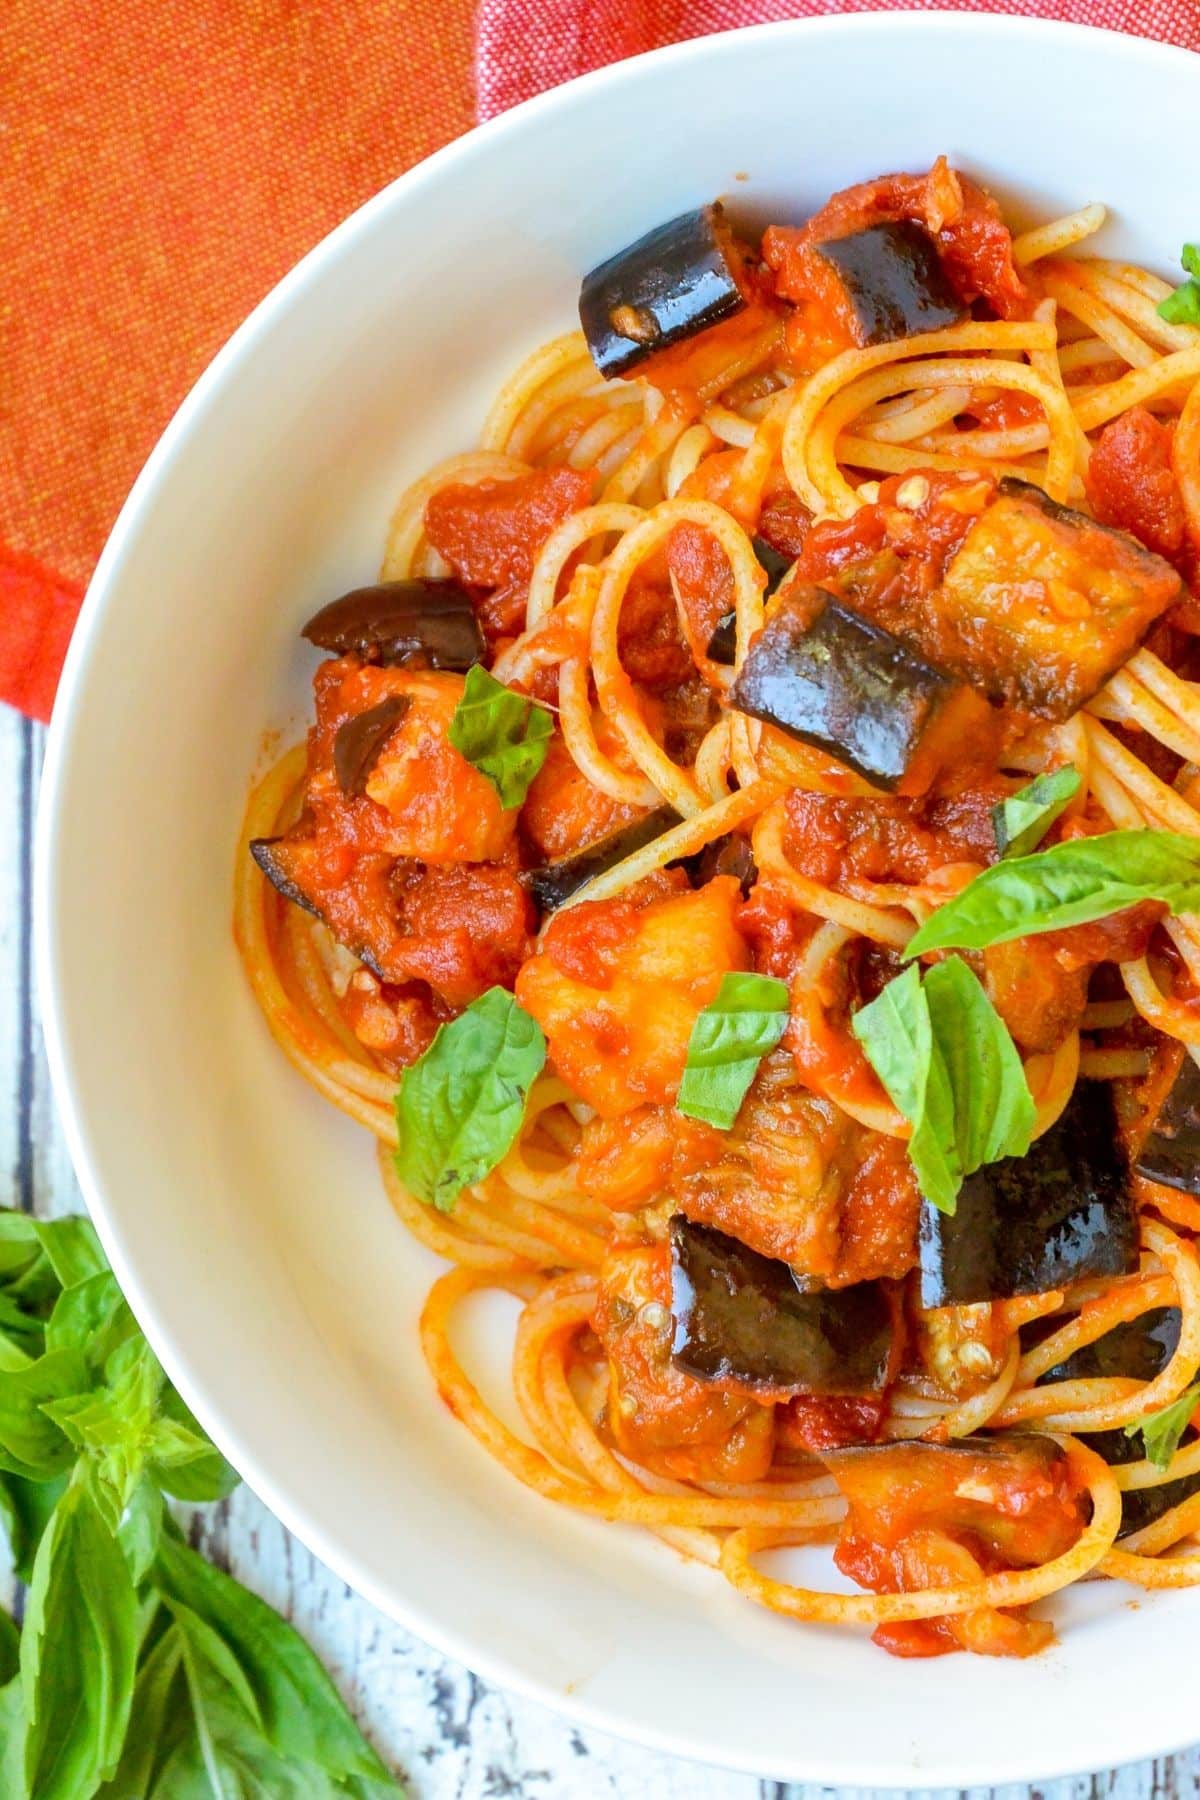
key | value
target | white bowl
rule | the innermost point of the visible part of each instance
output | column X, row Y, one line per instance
column 243, row 1216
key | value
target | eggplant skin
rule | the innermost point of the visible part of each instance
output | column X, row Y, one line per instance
column 1171, row 1150
column 275, row 857
column 1061, row 1213
column 742, row 1317
column 834, row 680
column 894, row 281
column 281, row 860
column 722, row 645
column 402, row 624
column 676, row 281
column 1140, row 1349
column 552, row 884
column 359, row 741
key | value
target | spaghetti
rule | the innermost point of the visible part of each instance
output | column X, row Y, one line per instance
column 612, row 550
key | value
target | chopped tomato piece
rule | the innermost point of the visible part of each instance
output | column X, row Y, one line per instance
column 923, row 1515
column 617, row 988
column 439, row 808
column 563, row 812
column 1131, row 484
column 703, row 584
column 658, row 1415
column 491, row 531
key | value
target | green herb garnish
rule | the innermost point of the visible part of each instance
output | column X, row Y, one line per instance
column 1069, row 884
column 729, row 1040
column 1161, row 1431
column 1183, row 306
column 949, row 1065
column 503, row 735
column 1022, row 821
column 140, row 1672
column 459, row 1107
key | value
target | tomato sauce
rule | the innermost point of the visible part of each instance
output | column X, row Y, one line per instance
column 491, row 531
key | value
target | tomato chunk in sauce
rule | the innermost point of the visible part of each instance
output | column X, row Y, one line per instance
column 923, row 1515
column 491, row 531
column 617, row 987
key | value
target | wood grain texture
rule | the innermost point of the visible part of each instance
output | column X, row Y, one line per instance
column 450, row 1735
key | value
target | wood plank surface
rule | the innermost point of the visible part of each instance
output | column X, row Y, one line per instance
column 452, row 1736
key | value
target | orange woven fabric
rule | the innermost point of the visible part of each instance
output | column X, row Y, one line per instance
column 163, row 166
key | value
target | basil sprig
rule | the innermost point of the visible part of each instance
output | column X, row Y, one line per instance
column 1162, row 1431
column 1069, row 884
column 729, row 1040
column 950, row 1067
column 1183, row 306
column 503, row 735
column 140, row 1673
column 460, row 1105
column 1022, row 821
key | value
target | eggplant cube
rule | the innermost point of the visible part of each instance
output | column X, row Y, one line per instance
column 1138, row 1349
column 1061, row 1213
column 1047, row 604
column 742, row 1317
column 679, row 279
column 832, row 679
column 1171, row 1151
column 893, row 280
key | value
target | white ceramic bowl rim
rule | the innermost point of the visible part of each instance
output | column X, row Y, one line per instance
column 1132, row 1738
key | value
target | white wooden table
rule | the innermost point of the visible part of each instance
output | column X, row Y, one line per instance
column 448, row 1734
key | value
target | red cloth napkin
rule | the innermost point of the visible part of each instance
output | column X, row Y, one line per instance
column 524, row 46
column 163, row 167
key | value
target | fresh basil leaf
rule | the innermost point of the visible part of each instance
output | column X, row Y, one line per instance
column 158, row 1720
column 10, row 1650
column 992, row 1107
column 1069, row 884
column 729, row 1039
column 201, row 1473
column 31, row 1444
column 114, row 1425
column 140, row 1531
column 896, row 1034
column 26, row 1275
column 78, row 1654
column 72, row 1247
column 26, row 1508
column 21, row 1330
column 1161, row 1431
column 280, row 1688
column 92, row 1316
column 1183, row 306
column 460, row 1105
column 950, row 1067
column 503, row 735
column 1022, row 821
column 12, row 1738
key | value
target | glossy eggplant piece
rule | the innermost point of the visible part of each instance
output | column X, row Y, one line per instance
column 678, row 280
column 893, row 280
column 742, row 1317
column 1042, row 604
column 1140, row 1349
column 1061, row 1213
column 286, row 863
column 419, row 623
column 1171, row 1151
column 728, row 855
column 555, row 882
column 282, row 861
column 360, row 739
column 832, row 679
column 722, row 645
